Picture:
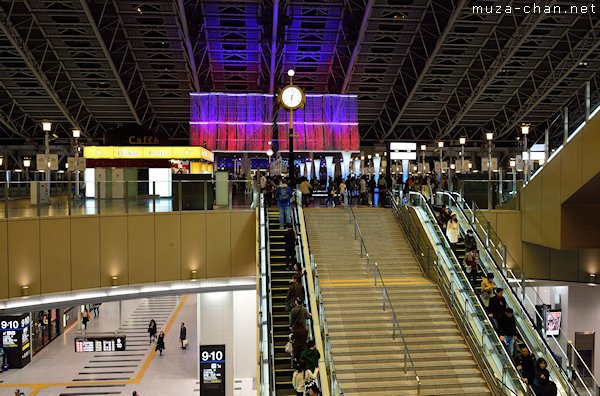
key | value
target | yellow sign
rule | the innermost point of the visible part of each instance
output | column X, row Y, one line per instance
column 148, row 152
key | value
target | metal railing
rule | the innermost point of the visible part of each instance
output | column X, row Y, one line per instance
column 58, row 198
column 395, row 324
column 492, row 260
column 462, row 300
column 358, row 235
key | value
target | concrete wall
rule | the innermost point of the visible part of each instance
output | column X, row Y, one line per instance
column 543, row 221
column 52, row 254
column 230, row 318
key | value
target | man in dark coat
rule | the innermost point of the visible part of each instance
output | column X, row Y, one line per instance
column 183, row 336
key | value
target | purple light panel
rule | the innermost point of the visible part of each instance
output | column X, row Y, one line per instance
column 240, row 122
column 230, row 122
column 327, row 123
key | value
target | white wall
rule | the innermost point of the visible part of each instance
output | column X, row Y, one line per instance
column 584, row 315
column 230, row 318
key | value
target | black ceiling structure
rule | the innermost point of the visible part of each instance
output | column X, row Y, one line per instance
column 423, row 70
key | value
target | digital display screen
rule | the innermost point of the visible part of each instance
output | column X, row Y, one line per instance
column 553, row 318
column 212, row 370
column 100, row 344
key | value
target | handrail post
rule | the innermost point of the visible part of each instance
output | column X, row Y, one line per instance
column 375, row 275
column 570, row 361
column 368, row 262
column 523, row 286
column 404, row 359
column 487, row 234
column 361, row 249
column 384, row 297
column 504, row 260
column 394, row 320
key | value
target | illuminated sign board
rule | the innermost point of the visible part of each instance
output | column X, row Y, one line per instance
column 15, row 334
column 212, row 370
column 148, row 152
column 100, row 344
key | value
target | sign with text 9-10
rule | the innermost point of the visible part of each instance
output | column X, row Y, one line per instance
column 212, row 370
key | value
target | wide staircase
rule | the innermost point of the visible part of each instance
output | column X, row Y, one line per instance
column 367, row 360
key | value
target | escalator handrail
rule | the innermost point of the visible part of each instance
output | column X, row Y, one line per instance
column 524, row 314
column 269, row 302
column 477, row 303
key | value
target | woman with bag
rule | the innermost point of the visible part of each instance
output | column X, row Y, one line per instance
column 301, row 377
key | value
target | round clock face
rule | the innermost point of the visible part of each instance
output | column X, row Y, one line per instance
column 291, row 97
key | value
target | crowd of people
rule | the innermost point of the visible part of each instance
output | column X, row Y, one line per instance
column 304, row 355
column 533, row 372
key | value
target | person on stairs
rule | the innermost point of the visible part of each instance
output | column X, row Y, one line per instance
column 487, row 288
column 296, row 290
column 472, row 265
column 301, row 376
column 507, row 330
column 283, row 196
column 311, row 355
column 299, row 314
column 497, row 306
column 470, row 242
column 453, row 231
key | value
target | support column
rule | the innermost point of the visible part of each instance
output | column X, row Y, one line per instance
column 357, row 167
column 346, row 155
column 547, row 144
column 317, row 163
column 329, row 167
column 405, row 166
column 376, row 167
column 588, row 94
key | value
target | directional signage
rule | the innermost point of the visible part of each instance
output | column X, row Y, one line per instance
column 100, row 344
column 14, row 337
column 212, row 370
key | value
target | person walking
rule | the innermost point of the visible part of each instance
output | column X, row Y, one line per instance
column 152, row 330
column 453, row 231
column 96, row 310
column 301, row 376
column 364, row 193
column 283, row 196
column 311, row 355
column 183, row 336
column 507, row 330
column 160, row 342
column 85, row 318
column 330, row 194
column 290, row 239
column 305, row 189
column 344, row 194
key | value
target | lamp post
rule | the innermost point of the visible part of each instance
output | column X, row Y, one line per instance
column 423, row 148
column 513, row 165
column 525, row 132
column 451, row 177
column 47, row 127
column 269, row 154
column 462, row 142
column 441, row 147
column 489, row 136
column 76, row 135
column 26, row 164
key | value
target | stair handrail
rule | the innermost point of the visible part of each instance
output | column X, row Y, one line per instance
column 537, row 338
column 486, row 331
column 268, row 347
column 395, row 324
column 358, row 234
column 319, row 325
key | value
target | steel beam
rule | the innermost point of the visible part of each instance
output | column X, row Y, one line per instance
column 20, row 46
column 428, row 63
column 273, row 63
column 361, row 36
column 107, row 55
column 188, row 44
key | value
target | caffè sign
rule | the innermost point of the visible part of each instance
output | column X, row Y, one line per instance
column 143, row 140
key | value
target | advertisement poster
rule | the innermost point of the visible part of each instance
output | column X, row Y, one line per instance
column 553, row 318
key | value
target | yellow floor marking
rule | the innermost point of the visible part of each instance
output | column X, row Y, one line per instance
column 38, row 387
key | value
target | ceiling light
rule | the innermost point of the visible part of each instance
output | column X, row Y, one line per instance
column 584, row 64
column 462, row 140
column 140, row 10
column 440, row 144
column 291, row 72
column 525, row 129
column 76, row 133
column 489, row 135
column 512, row 163
column 423, row 147
column 46, row 126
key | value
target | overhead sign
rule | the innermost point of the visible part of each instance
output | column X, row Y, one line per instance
column 14, row 333
column 403, row 146
column 212, row 370
column 403, row 155
column 484, row 164
column 80, row 163
column 100, row 344
column 148, row 152
column 40, row 160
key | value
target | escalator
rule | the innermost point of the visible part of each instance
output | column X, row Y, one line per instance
column 525, row 327
column 279, row 286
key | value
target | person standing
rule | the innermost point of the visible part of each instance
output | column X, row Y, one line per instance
column 471, row 265
column 452, row 231
column 160, row 342
column 296, row 290
column 283, row 196
column 311, row 355
column 507, row 329
column 299, row 338
column 364, row 193
column 289, row 239
column 343, row 194
column 497, row 306
column 301, row 376
column 470, row 242
column 183, row 336
column 152, row 330
column 526, row 364
column 305, row 188
column 299, row 314
column 487, row 288
column 85, row 318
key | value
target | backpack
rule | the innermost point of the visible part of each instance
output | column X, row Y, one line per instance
column 284, row 194
column 550, row 389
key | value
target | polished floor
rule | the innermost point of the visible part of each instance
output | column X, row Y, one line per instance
column 58, row 371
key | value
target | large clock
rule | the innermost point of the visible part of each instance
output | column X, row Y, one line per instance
column 292, row 97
